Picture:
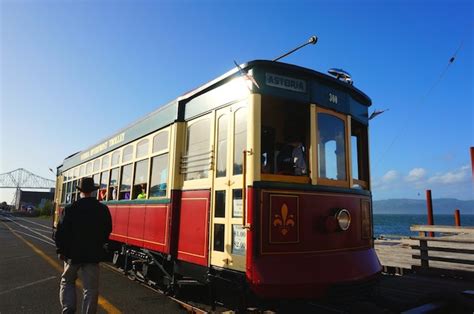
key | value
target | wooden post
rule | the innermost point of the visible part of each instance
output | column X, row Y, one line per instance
column 424, row 254
column 429, row 208
column 457, row 218
column 472, row 162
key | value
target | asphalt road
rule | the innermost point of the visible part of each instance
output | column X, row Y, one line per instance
column 30, row 274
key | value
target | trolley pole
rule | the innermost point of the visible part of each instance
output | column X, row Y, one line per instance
column 311, row 41
column 429, row 208
column 457, row 218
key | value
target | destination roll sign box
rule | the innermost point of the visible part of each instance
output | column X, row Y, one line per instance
column 285, row 82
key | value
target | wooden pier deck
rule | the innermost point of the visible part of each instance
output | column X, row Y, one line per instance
column 436, row 274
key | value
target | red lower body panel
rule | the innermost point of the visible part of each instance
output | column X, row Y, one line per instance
column 193, row 235
column 156, row 231
column 310, row 276
column 142, row 225
column 294, row 252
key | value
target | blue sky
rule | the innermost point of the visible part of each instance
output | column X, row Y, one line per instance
column 74, row 72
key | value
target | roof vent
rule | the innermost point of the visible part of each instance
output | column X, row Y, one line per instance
column 342, row 75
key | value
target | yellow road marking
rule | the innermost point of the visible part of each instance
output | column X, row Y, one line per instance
column 103, row 303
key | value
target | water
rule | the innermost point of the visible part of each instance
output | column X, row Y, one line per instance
column 400, row 224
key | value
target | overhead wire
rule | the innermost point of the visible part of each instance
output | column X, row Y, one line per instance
column 422, row 100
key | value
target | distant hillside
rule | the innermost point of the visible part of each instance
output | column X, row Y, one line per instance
column 410, row 206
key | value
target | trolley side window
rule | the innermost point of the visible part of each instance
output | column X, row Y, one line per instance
column 104, row 179
column 75, row 191
column 159, row 175
column 125, row 182
column 89, row 168
column 196, row 162
column 115, row 158
column 142, row 148
column 359, row 148
column 105, row 162
column 113, row 185
column 82, row 171
column 127, row 153
column 160, row 142
column 140, row 180
column 222, row 123
column 63, row 196
column 240, row 138
column 96, row 178
column 96, row 166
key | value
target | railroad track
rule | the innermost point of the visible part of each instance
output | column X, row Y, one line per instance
column 394, row 294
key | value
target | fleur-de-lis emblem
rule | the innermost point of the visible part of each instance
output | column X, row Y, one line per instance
column 284, row 221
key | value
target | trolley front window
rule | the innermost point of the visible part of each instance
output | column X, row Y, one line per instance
column 285, row 137
column 331, row 147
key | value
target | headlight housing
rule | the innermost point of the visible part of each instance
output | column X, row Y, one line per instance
column 343, row 218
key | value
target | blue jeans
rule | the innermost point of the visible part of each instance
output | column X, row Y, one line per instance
column 90, row 290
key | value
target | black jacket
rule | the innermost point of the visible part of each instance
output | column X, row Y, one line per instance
column 83, row 230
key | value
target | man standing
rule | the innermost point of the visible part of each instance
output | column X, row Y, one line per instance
column 82, row 231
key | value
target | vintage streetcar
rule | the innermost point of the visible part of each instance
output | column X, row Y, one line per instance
column 257, row 180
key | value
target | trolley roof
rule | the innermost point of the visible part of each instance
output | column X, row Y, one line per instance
column 273, row 78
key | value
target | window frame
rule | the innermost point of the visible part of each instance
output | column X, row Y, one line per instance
column 202, row 182
column 365, row 184
column 150, row 174
column 315, row 171
column 147, row 152
column 275, row 177
column 69, row 177
column 152, row 142
column 130, row 156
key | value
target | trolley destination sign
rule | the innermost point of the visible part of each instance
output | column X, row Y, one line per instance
column 285, row 82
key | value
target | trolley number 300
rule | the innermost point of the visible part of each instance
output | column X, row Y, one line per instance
column 332, row 98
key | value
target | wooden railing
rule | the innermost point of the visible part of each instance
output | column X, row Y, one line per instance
column 462, row 243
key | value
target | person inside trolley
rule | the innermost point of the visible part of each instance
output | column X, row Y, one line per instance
column 142, row 192
column 291, row 159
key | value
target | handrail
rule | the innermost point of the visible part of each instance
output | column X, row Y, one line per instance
column 424, row 248
column 244, row 189
column 442, row 239
column 440, row 228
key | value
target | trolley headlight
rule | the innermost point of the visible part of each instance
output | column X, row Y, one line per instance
column 343, row 218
